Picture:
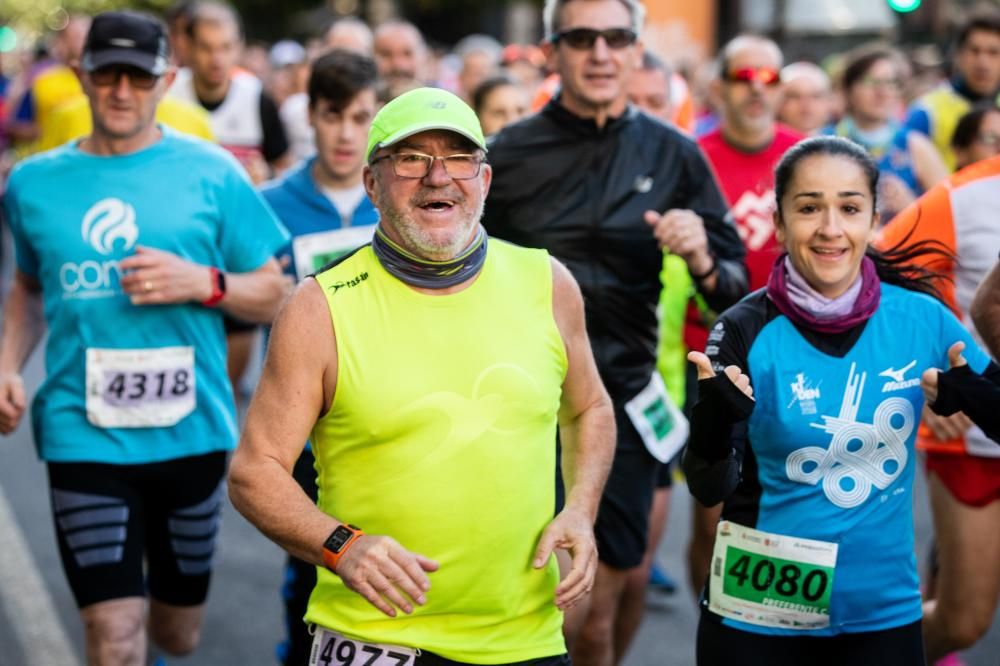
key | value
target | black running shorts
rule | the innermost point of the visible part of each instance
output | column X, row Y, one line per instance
column 109, row 519
column 722, row 645
column 622, row 527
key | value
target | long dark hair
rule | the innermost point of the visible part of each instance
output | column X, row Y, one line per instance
column 900, row 264
column 483, row 90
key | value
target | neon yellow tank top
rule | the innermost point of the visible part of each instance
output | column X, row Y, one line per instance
column 442, row 435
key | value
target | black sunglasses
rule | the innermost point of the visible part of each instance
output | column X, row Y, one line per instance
column 110, row 74
column 585, row 38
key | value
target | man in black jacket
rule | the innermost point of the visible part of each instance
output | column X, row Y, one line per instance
column 606, row 190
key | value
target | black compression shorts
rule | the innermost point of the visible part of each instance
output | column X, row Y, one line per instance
column 110, row 518
column 234, row 325
column 722, row 645
column 664, row 475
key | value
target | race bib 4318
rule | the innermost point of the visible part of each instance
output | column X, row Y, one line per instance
column 140, row 388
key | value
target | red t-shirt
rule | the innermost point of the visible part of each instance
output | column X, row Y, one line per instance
column 747, row 181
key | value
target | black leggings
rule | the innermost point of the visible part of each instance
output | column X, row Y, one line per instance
column 721, row 645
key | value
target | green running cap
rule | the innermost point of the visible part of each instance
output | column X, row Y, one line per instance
column 421, row 110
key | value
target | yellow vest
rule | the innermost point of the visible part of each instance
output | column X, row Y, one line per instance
column 50, row 89
column 442, row 435
column 71, row 120
column 945, row 108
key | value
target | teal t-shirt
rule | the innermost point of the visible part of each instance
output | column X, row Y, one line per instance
column 125, row 383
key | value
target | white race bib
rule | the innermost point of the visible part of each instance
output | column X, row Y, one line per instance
column 332, row 649
column 314, row 251
column 656, row 418
column 140, row 388
column 771, row 580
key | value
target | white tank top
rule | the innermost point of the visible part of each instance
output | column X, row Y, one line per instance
column 236, row 122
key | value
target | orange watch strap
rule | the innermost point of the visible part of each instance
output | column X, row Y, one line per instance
column 331, row 559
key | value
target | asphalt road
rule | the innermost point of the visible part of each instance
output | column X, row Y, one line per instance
column 39, row 624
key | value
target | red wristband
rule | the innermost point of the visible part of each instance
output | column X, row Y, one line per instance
column 218, row 287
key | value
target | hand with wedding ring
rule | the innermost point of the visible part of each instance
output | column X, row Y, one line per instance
column 156, row 277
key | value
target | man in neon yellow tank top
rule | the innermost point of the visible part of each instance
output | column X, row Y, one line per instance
column 430, row 373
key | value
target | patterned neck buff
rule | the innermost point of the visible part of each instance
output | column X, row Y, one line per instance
column 418, row 272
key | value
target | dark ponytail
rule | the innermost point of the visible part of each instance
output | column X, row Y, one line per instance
column 898, row 265
column 903, row 263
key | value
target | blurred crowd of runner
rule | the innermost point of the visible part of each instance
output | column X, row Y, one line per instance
column 591, row 120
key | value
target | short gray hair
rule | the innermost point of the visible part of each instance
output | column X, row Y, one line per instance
column 654, row 63
column 742, row 41
column 553, row 11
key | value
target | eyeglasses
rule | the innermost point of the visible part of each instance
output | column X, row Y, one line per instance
column 418, row 165
column 768, row 76
column 138, row 78
column 989, row 139
column 872, row 82
column 584, row 38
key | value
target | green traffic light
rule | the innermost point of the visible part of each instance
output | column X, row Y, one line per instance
column 903, row 6
column 8, row 39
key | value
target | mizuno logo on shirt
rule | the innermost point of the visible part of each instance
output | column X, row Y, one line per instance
column 898, row 377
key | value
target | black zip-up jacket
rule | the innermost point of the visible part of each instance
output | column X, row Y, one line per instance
column 579, row 191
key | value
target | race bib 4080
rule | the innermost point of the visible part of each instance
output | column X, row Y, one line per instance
column 771, row 580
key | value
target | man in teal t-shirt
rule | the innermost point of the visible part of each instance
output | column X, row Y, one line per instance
column 130, row 245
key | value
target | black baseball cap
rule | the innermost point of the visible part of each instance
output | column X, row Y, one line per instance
column 126, row 38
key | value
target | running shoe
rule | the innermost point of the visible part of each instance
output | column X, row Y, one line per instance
column 659, row 580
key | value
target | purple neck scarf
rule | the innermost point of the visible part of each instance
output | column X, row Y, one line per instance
column 795, row 299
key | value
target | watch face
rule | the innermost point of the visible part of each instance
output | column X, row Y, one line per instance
column 337, row 540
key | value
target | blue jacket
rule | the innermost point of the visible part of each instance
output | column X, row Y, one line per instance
column 304, row 209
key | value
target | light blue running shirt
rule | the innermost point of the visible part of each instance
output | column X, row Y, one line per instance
column 133, row 384
column 833, row 451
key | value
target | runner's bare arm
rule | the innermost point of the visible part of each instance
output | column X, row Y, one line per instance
column 156, row 277
column 296, row 388
column 985, row 311
column 23, row 326
column 587, row 433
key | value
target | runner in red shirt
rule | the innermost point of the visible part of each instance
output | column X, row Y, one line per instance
column 742, row 151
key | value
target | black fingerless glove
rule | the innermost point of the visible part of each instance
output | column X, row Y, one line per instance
column 961, row 389
column 720, row 404
column 950, row 390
